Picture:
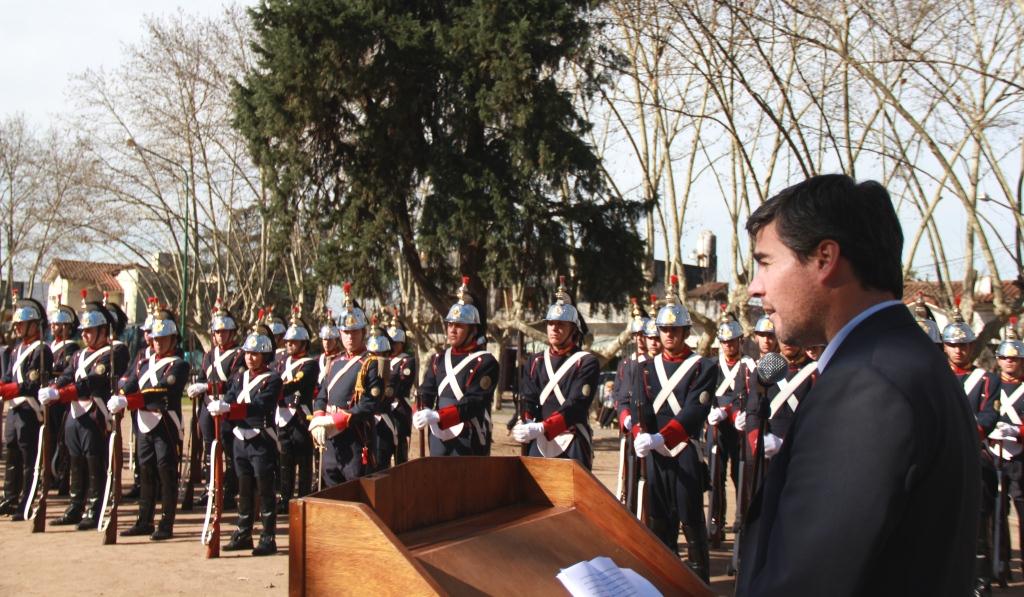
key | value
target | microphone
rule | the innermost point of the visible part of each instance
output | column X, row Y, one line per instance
column 771, row 369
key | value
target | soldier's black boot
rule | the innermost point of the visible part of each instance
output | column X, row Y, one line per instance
column 268, row 543
column 287, row 481
column 168, row 504
column 668, row 533
column 242, row 537
column 96, row 487
column 230, row 487
column 76, row 491
column 147, row 496
column 697, row 553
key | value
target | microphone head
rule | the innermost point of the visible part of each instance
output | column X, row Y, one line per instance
column 771, row 368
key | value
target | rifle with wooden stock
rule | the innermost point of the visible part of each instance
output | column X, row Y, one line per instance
column 36, row 506
column 210, row 536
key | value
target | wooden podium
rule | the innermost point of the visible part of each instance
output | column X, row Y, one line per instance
column 469, row 526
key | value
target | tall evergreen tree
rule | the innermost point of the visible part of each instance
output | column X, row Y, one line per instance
column 444, row 130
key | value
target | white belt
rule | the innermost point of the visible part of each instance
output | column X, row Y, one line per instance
column 32, row 402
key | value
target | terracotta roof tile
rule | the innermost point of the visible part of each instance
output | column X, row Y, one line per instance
column 89, row 273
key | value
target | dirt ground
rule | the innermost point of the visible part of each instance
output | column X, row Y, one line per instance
column 65, row 562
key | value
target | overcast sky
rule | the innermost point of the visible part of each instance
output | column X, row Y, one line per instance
column 45, row 42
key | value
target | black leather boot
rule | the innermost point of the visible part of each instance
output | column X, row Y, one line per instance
column 96, row 487
column 147, row 496
column 168, row 503
column 268, row 516
column 76, row 492
column 242, row 537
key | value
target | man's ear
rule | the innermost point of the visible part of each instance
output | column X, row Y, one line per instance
column 826, row 259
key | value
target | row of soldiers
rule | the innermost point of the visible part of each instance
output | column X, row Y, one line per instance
column 275, row 404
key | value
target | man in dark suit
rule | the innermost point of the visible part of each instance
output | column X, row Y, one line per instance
column 876, row 488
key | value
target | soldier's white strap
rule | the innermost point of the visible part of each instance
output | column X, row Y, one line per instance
column 149, row 378
column 788, row 386
column 22, row 355
column 1007, row 405
column 219, row 358
column 55, row 346
column 211, row 494
column 450, row 373
column 82, row 371
column 395, row 360
column 33, row 404
column 668, row 384
column 325, row 365
column 973, row 379
column 290, row 366
column 554, row 377
column 107, row 490
column 341, row 373
column 245, row 396
column 728, row 375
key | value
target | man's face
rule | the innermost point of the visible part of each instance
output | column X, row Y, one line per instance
column 60, row 331
column 278, row 339
column 814, row 352
column 731, row 349
column 295, row 348
column 397, row 348
column 1012, row 366
column 641, row 343
column 559, row 333
column 94, row 337
column 26, row 330
column 959, row 354
column 673, row 339
column 352, row 340
column 164, row 344
column 332, row 345
column 254, row 360
column 457, row 333
column 654, row 346
column 787, row 289
column 224, row 338
column 766, row 343
column 792, row 352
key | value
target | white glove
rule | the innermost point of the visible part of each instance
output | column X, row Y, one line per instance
column 527, row 432
column 741, row 421
column 116, row 404
column 424, row 417
column 772, row 445
column 321, row 421
column 196, row 390
column 319, row 435
column 47, row 395
column 627, row 424
column 1006, row 430
column 717, row 415
column 645, row 443
column 218, row 407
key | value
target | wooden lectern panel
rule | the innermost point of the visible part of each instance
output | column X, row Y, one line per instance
column 470, row 526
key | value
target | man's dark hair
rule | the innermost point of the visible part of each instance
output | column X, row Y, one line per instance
column 859, row 217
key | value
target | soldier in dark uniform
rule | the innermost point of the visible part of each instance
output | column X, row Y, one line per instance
column 250, row 403
column 222, row 362
column 982, row 390
column 732, row 385
column 379, row 346
column 277, row 328
column 622, row 393
column 1006, row 443
column 402, row 381
column 458, row 385
column 62, row 325
column 142, row 354
column 558, row 387
column 653, row 339
column 348, row 397
column 299, row 373
column 154, row 392
column 330, row 340
column 30, row 360
column 673, row 397
column 84, row 385
column 764, row 335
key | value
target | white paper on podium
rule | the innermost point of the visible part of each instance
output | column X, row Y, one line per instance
column 600, row 577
